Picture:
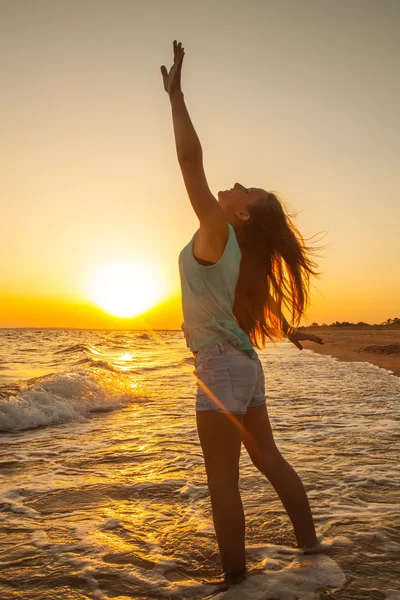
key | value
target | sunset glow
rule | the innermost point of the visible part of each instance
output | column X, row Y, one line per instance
column 124, row 290
column 89, row 166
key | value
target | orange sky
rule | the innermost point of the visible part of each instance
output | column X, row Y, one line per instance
column 298, row 98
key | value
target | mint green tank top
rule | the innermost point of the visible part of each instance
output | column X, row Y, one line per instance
column 208, row 294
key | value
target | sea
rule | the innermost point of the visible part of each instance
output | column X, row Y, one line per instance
column 103, row 492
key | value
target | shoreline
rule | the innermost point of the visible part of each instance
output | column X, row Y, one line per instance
column 379, row 347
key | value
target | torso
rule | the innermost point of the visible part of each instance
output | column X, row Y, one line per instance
column 205, row 252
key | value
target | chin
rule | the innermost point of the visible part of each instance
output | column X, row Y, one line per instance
column 221, row 194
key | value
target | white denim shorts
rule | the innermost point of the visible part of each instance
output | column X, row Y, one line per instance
column 228, row 379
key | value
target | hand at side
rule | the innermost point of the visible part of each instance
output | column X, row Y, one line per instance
column 298, row 336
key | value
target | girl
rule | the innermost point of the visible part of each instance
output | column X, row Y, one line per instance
column 245, row 261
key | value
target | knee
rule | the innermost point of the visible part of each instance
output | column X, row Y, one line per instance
column 268, row 463
column 221, row 482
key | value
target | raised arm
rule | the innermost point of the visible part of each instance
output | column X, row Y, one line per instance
column 188, row 145
column 190, row 153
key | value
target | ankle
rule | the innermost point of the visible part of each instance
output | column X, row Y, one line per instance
column 308, row 541
column 319, row 546
column 236, row 576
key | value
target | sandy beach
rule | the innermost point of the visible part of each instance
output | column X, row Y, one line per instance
column 380, row 347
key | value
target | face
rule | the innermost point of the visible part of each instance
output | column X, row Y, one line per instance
column 234, row 202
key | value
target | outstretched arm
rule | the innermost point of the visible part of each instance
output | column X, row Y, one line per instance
column 188, row 145
column 190, row 154
column 286, row 328
column 294, row 335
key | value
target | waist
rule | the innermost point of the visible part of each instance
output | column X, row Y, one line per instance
column 224, row 347
column 218, row 348
column 228, row 332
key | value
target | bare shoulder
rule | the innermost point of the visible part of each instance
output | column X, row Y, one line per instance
column 209, row 243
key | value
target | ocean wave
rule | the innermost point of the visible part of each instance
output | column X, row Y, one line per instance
column 63, row 398
column 78, row 348
column 74, row 348
column 84, row 361
column 99, row 364
column 103, row 364
column 189, row 360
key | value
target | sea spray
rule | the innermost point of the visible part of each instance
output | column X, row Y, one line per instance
column 65, row 397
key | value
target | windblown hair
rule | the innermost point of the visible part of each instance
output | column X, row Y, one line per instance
column 275, row 270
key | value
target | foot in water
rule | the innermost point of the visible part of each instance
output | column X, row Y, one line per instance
column 319, row 547
column 235, row 577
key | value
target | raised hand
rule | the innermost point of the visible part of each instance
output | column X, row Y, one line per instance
column 172, row 80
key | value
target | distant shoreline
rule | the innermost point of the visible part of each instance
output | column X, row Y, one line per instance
column 84, row 329
column 379, row 345
column 320, row 328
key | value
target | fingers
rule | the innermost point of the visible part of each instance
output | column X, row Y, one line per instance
column 164, row 71
column 175, row 49
column 178, row 49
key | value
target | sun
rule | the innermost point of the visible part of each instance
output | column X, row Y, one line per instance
column 124, row 290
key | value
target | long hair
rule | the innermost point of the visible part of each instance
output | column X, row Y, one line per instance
column 275, row 271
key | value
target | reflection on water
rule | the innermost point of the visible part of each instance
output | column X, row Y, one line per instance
column 103, row 491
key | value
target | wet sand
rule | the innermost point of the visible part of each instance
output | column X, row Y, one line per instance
column 378, row 346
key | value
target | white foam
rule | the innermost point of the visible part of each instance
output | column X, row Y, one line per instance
column 192, row 491
column 12, row 499
column 40, row 539
column 300, row 579
column 64, row 398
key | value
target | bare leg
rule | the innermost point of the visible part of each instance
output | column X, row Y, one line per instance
column 220, row 438
column 258, row 440
column 292, row 494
